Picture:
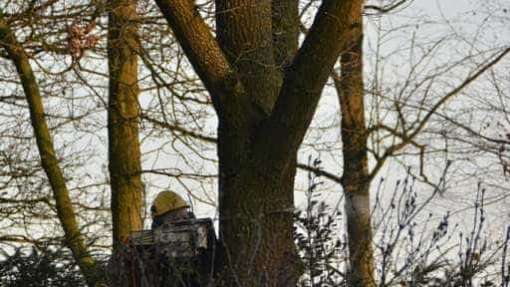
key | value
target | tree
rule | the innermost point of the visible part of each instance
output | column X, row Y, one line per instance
column 49, row 161
column 265, row 98
column 356, row 176
column 123, row 113
column 124, row 155
column 75, row 22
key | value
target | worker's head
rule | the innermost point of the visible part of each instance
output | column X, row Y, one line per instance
column 167, row 201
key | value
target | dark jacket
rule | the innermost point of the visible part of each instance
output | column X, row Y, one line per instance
column 172, row 216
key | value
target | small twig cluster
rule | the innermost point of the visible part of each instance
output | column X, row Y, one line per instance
column 79, row 38
column 316, row 238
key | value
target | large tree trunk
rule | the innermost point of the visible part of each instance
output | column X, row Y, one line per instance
column 74, row 239
column 256, row 210
column 355, row 180
column 265, row 94
column 256, row 197
column 123, row 118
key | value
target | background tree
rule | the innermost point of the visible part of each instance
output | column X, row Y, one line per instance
column 403, row 133
column 123, row 118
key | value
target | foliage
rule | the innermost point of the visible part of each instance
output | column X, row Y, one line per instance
column 316, row 238
column 409, row 253
column 39, row 269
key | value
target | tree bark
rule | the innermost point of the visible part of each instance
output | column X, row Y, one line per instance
column 123, row 118
column 356, row 177
column 285, row 29
column 255, row 206
column 244, row 32
column 65, row 211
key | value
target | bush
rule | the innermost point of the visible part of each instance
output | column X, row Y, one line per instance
column 407, row 250
column 39, row 269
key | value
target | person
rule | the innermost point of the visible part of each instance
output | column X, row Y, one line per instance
column 168, row 209
column 168, row 206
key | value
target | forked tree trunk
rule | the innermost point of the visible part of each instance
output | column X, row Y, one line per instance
column 265, row 94
column 256, row 195
column 355, row 179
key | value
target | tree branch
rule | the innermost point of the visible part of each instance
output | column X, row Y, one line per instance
column 285, row 30
column 408, row 138
column 458, row 89
column 207, row 58
column 386, row 8
column 304, row 80
column 320, row 172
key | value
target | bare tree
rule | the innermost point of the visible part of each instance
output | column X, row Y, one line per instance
column 49, row 161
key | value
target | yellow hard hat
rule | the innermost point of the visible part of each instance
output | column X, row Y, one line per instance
column 167, row 201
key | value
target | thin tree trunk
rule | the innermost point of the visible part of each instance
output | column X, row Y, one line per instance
column 65, row 210
column 355, row 180
column 123, row 119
